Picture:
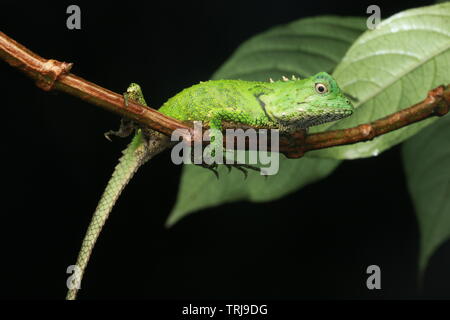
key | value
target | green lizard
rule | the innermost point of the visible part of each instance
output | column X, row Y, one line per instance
column 287, row 105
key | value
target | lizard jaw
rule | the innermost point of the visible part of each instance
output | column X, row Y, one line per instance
column 312, row 120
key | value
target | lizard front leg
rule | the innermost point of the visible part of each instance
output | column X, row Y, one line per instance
column 215, row 124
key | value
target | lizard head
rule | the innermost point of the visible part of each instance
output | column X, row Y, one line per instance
column 308, row 102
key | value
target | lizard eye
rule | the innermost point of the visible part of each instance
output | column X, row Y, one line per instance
column 321, row 88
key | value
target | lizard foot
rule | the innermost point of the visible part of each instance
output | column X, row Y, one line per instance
column 237, row 165
column 242, row 167
column 126, row 128
column 212, row 167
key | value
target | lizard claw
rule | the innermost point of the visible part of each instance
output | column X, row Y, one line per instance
column 126, row 128
column 244, row 168
column 107, row 134
column 125, row 99
column 243, row 171
column 216, row 173
column 212, row 168
column 239, row 166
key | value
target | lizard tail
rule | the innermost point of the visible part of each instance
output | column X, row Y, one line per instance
column 133, row 157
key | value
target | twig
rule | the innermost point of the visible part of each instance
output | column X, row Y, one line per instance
column 52, row 74
column 436, row 103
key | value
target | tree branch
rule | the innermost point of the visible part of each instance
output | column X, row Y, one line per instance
column 52, row 74
column 436, row 103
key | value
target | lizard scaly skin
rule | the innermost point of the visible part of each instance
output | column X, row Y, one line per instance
column 286, row 105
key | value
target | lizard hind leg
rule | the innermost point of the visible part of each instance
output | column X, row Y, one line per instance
column 126, row 129
column 134, row 92
column 127, row 126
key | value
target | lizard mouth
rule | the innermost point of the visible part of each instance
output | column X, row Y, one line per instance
column 314, row 119
column 327, row 117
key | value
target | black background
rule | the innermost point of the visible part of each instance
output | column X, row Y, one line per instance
column 315, row 243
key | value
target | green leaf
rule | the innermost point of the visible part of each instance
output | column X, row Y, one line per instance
column 301, row 48
column 391, row 68
column 200, row 189
column 426, row 158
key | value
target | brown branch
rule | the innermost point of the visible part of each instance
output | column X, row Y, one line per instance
column 436, row 103
column 52, row 74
